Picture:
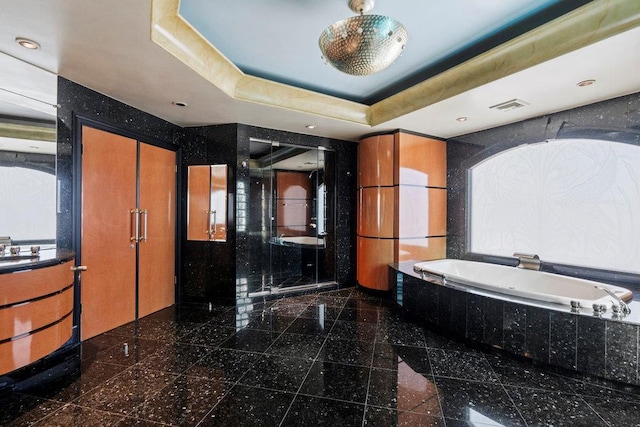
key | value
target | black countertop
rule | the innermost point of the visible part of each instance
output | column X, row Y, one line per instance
column 47, row 257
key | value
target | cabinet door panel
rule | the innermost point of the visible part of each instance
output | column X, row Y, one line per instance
column 108, row 196
column 156, row 264
column 198, row 202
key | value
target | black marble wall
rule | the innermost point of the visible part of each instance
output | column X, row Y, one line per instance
column 457, row 154
column 615, row 120
column 219, row 272
column 208, row 270
column 76, row 101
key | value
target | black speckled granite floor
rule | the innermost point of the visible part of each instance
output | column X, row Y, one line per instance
column 341, row 358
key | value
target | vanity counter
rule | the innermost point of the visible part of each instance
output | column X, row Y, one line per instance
column 46, row 258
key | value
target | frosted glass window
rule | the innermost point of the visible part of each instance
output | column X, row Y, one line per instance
column 572, row 201
column 27, row 204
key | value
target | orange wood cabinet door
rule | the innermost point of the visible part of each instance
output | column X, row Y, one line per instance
column 207, row 203
column 109, row 165
column 198, row 202
column 156, row 262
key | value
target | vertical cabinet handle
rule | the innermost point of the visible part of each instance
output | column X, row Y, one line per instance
column 215, row 224
column 145, row 214
column 135, row 225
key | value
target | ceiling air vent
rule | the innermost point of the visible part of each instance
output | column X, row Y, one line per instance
column 509, row 105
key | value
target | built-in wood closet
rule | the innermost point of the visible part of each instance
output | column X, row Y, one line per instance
column 128, row 205
column 402, row 204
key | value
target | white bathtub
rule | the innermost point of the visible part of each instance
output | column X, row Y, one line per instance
column 531, row 284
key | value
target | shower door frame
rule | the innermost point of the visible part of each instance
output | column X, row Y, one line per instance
column 267, row 286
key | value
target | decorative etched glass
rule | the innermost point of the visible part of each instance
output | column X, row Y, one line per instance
column 573, row 201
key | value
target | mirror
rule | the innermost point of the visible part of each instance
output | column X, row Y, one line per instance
column 28, row 144
column 290, row 217
column 207, row 203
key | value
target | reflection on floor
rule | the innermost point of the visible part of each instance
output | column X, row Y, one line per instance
column 289, row 282
column 341, row 358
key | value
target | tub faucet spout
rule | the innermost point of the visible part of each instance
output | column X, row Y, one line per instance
column 528, row 261
column 621, row 307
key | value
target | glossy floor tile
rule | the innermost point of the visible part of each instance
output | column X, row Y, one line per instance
column 339, row 358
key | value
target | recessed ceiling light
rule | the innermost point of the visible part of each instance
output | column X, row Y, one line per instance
column 179, row 103
column 586, row 83
column 462, row 119
column 311, row 126
column 27, row 44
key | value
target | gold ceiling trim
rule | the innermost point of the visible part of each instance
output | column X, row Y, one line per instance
column 588, row 24
column 178, row 37
column 28, row 132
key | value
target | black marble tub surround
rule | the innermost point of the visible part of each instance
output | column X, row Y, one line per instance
column 340, row 358
column 600, row 346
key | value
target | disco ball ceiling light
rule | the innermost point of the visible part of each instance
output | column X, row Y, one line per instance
column 364, row 44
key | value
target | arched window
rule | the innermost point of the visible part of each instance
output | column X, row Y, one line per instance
column 571, row 201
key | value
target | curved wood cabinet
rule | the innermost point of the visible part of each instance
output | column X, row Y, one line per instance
column 402, row 203
column 36, row 313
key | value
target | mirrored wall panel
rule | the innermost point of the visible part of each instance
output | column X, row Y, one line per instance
column 28, row 97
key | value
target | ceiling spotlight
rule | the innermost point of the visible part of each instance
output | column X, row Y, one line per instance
column 310, row 126
column 462, row 119
column 364, row 44
column 27, row 44
column 179, row 103
column 586, row 83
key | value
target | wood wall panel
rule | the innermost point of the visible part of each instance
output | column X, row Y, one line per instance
column 376, row 212
column 23, row 318
column 420, row 161
column 156, row 264
column 374, row 255
column 424, row 249
column 375, row 161
column 108, row 195
column 28, row 284
column 421, row 211
column 293, row 203
column 21, row 352
column 293, row 185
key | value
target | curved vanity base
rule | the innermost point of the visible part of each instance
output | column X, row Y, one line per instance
column 36, row 310
column 600, row 346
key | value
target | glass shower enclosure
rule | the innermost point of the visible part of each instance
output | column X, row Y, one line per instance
column 291, row 218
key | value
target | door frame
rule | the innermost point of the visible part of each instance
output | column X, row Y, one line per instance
column 76, row 146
